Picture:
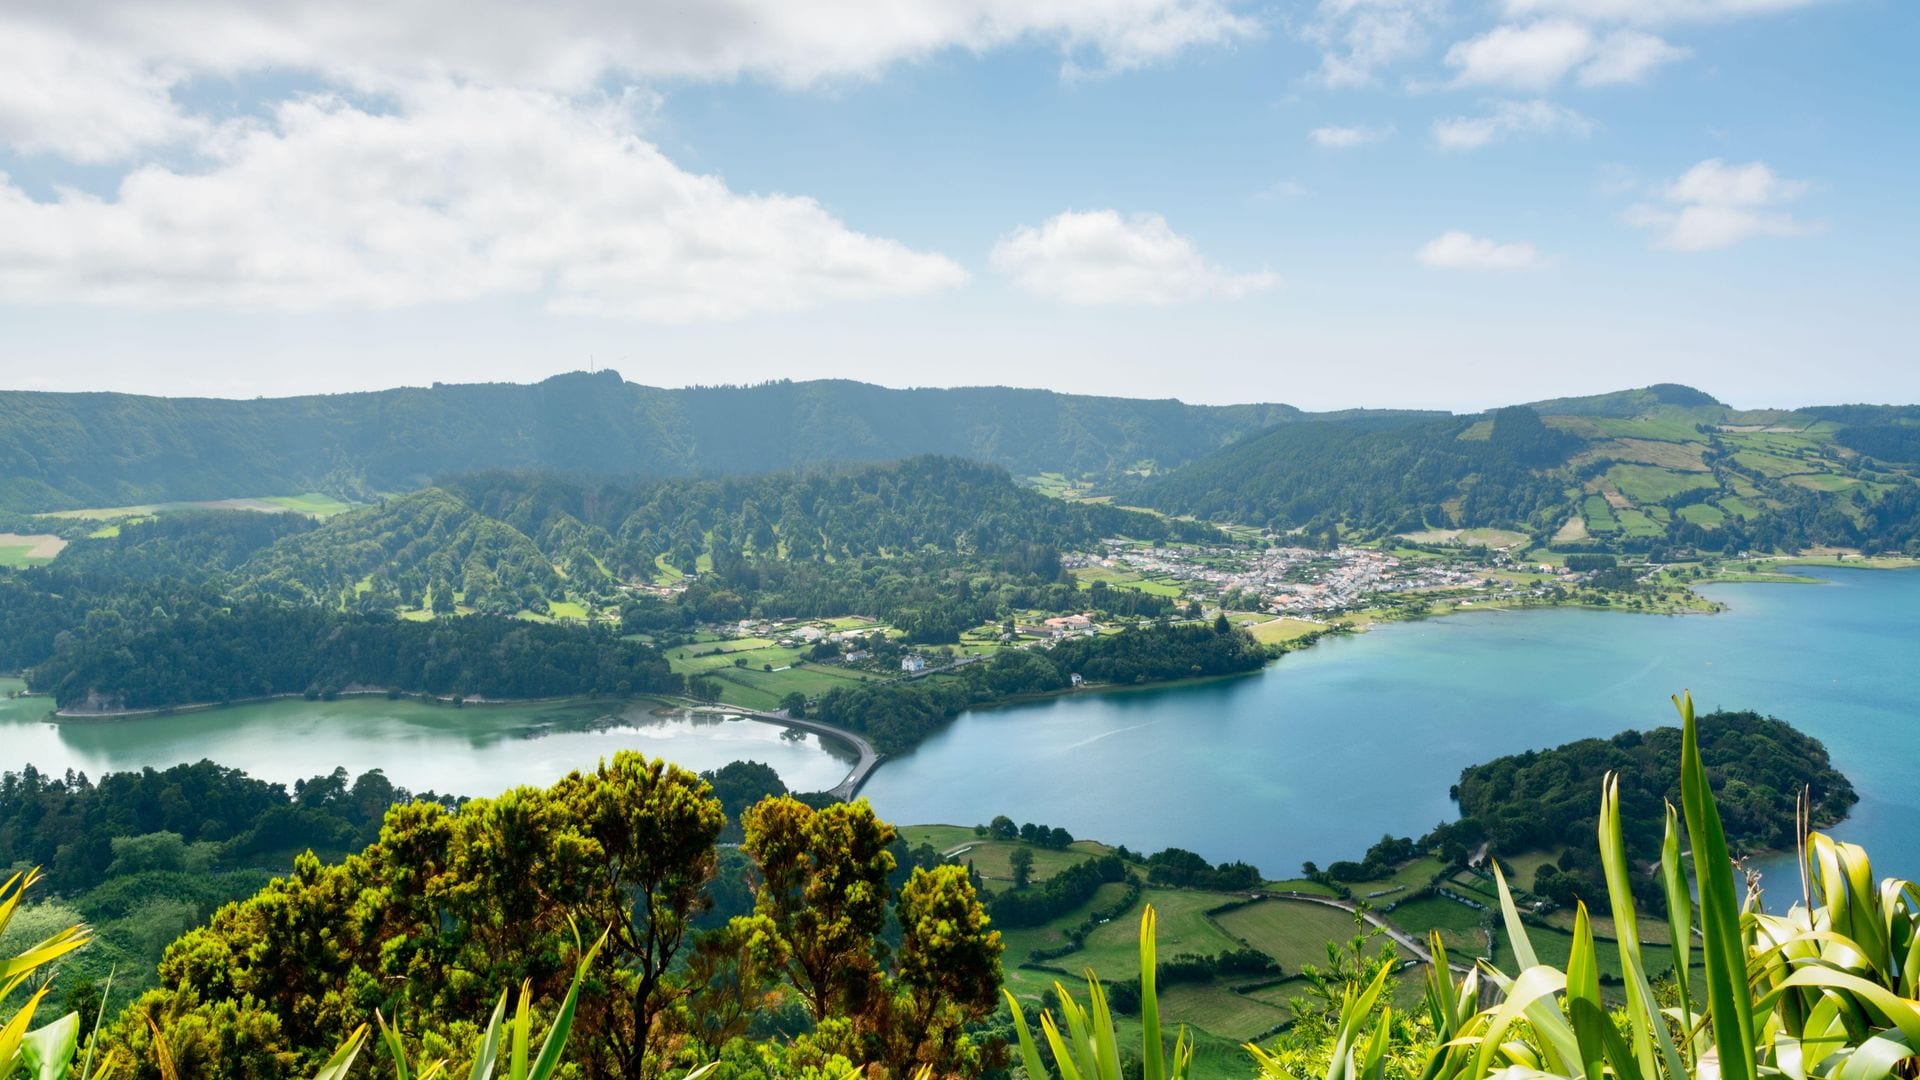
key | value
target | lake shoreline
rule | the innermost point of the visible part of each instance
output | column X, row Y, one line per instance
column 455, row 701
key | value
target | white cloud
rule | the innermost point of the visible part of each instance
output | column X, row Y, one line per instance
column 1099, row 257
column 1531, row 57
column 1535, row 117
column 1654, row 11
column 1539, row 54
column 1716, row 205
column 462, row 193
column 60, row 96
column 1337, row 137
column 568, row 45
column 1458, row 250
column 1627, row 56
column 1359, row 37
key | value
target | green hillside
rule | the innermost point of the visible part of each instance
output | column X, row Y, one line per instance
column 1663, row 467
column 70, row 451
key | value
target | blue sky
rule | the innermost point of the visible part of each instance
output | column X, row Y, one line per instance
column 1451, row 203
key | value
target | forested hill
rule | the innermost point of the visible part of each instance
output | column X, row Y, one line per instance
column 510, row 541
column 1639, row 470
column 1378, row 478
column 62, row 451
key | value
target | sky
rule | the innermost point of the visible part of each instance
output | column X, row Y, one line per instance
column 1329, row 203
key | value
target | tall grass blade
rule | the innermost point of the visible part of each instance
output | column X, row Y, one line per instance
column 1152, row 1062
column 1729, row 1000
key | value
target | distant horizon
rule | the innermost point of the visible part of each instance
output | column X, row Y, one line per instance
column 1454, row 409
column 1330, row 203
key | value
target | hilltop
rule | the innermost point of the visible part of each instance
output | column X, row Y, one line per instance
column 62, row 451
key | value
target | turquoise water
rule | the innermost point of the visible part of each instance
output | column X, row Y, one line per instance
column 1324, row 751
column 478, row 750
column 1314, row 758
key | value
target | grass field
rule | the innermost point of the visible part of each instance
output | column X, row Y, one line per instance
column 752, row 688
column 1113, row 950
column 1827, row 482
column 1124, row 579
column 1599, row 515
column 1294, row 932
column 1299, row 885
column 1638, row 523
column 1705, row 515
column 1217, row 1010
column 1276, row 631
column 1773, row 465
column 992, row 857
column 1462, row 929
column 1686, row 457
column 1409, row 878
column 1651, row 483
column 1554, row 946
column 32, row 549
column 311, row 503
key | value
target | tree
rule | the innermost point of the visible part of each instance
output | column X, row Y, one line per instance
column 948, row 966
column 823, row 884
column 795, row 705
column 1003, row 828
column 1022, row 862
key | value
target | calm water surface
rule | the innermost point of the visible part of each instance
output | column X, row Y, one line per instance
column 478, row 750
column 1314, row 758
column 1326, row 750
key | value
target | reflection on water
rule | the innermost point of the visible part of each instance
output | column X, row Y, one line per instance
column 476, row 750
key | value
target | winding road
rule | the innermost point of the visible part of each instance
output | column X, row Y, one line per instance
column 846, row 789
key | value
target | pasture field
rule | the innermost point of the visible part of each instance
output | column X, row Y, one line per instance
column 1771, row 465
column 1739, row 507
column 1705, row 515
column 752, row 688
column 1828, row 482
column 1652, row 931
column 1299, row 885
column 1685, row 457
column 992, row 858
column 1462, row 929
column 1554, row 946
column 1124, row 579
column 312, row 504
column 1573, row 530
column 1651, row 484
column 1294, row 932
column 1638, row 523
column 1276, row 631
column 1217, row 1009
column 1411, row 877
column 1023, row 943
column 1599, row 515
column 567, row 609
column 1185, row 927
column 1521, row 868
column 31, row 549
column 1651, row 428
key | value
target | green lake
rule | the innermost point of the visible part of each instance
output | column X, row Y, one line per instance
column 1314, row 758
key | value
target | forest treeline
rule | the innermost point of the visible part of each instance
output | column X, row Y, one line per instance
column 64, row 451
column 259, row 649
column 840, row 955
column 897, row 715
column 1546, row 799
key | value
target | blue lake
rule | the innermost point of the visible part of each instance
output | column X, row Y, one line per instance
column 1323, row 752
column 1313, row 758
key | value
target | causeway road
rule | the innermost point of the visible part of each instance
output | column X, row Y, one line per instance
column 846, row 789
